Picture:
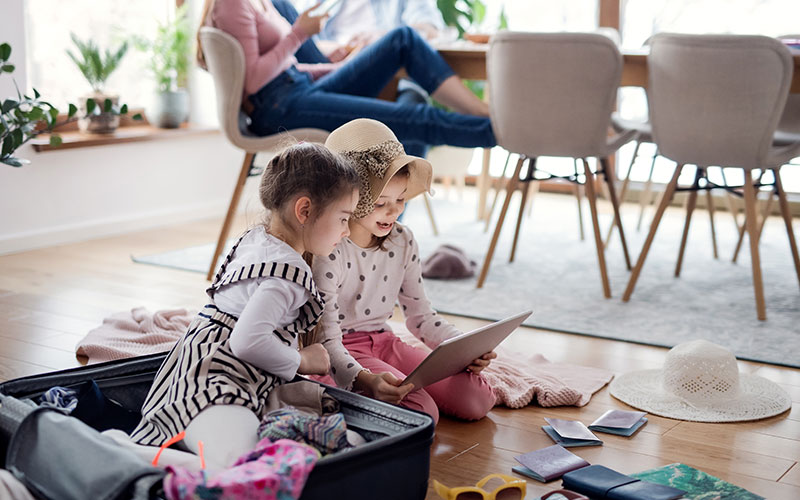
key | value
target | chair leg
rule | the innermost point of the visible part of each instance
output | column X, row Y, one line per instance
column 624, row 190
column 662, row 206
column 690, row 206
column 787, row 219
column 764, row 215
column 511, row 186
column 526, row 188
column 496, row 194
column 430, row 213
column 579, row 196
column 647, row 194
column 598, row 238
column 751, row 222
column 608, row 173
column 710, row 203
column 731, row 204
column 741, row 228
column 226, row 225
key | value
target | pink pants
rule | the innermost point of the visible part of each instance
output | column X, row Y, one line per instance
column 465, row 395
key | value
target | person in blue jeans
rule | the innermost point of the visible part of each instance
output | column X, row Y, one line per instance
column 286, row 93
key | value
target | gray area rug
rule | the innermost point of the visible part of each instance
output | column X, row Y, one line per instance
column 556, row 275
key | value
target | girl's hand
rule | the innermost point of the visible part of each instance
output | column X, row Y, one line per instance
column 314, row 360
column 479, row 364
column 383, row 386
column 309, row 24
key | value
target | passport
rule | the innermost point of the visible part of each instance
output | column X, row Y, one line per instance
column 548, row 463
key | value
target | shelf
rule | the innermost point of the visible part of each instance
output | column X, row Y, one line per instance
column 133, row 133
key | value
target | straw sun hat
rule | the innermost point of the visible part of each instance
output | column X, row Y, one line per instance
column 377, row 155
column 700, row 382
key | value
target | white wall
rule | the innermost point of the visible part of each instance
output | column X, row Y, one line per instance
column 12, row 31
column 77, row 194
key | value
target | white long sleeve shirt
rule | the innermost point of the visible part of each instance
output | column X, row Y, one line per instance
column 264, row 304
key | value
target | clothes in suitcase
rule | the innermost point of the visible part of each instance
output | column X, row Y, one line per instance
column 393, row 464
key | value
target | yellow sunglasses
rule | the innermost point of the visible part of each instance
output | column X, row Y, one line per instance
column 511, row 489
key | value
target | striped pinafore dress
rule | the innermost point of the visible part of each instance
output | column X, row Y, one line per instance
column 201, row 370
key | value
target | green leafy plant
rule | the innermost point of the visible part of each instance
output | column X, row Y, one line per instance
column 466, row 14
column 95, row 65
column 462, row 14
column 26, row 117
column 169, row 51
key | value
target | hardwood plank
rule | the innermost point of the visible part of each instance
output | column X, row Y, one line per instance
column 51, row 297
column 793, row 476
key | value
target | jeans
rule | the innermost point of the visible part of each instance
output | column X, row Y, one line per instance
column 308, row 51
column 293, row 100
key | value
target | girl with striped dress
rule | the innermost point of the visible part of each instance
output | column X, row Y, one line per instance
column 255, row 331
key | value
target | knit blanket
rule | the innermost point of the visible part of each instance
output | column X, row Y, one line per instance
column 517, row 379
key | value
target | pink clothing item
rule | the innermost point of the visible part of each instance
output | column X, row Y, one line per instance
column 465, row 395
column 134, row 333
column 361, row 286
column 273, row 471
column 518, row 380
column 268, row 40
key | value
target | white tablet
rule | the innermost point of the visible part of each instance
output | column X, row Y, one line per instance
column 456, row 354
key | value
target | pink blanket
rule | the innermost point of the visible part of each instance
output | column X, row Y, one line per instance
column 134, row 333
column 517, row 379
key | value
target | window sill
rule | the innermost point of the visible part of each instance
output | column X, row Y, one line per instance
column 126, row 134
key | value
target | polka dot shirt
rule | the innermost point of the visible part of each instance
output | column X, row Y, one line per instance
column 361, row 287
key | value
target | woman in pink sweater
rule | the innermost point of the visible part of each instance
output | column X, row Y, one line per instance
column 282, row 93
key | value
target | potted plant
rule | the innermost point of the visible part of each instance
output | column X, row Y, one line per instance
column 169, row 61
column 99, row 110
column 26, row 117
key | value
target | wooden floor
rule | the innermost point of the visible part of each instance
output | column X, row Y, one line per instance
column 50, row 298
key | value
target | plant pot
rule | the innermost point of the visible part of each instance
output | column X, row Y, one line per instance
column 102, row 123
column 169, row 109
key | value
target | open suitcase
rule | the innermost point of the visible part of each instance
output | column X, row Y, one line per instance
column 393, row 464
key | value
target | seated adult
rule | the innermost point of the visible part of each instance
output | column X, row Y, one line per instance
column 283, row 93
column 354, row 24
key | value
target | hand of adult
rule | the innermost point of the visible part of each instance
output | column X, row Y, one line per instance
column 314, row 360
column 361, row 40
column 383, row 386
column 479, row 364
column 338, row 54
column 308, row 23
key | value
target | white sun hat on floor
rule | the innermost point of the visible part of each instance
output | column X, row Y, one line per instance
column 700, row 382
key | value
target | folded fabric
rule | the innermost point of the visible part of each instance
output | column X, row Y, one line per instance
column 521, row 379
column 448, row 262
column 308, row 397
column 134, row 333
column 272, row 471
column 60, row 398
column 12, row 488
column 599, row 482
column 327, row 433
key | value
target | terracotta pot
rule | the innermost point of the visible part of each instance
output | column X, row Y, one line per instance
column 103, row 123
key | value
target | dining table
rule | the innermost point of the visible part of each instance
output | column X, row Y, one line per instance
column 468, row 60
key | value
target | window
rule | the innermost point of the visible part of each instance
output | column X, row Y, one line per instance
column 48, row 27
column 640, row 19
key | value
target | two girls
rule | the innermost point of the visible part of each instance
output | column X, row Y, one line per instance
column 263, row 304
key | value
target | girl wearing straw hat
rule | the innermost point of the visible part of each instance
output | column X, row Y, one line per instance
column 377, row 266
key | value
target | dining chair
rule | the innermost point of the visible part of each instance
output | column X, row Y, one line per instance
column 552, row 94
column 788, row 132
column 716, row 100
column 225, row 60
